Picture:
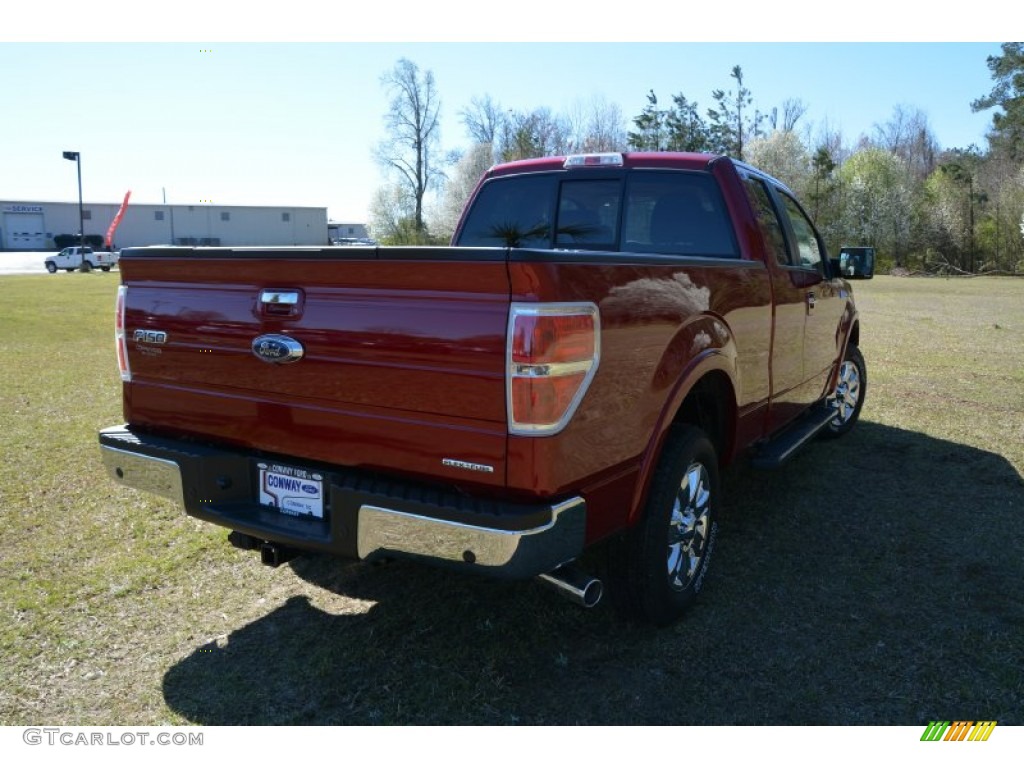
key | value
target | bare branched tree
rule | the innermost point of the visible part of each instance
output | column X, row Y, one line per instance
column 483, row 119
column 908, row 135
column 792, row 111
column 411, row 149
column 597, row 126
column 538, row 133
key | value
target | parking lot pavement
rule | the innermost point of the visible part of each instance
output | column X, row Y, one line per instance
column 24, row 262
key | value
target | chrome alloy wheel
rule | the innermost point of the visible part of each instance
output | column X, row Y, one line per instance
column 688, row 527
column 847, row 394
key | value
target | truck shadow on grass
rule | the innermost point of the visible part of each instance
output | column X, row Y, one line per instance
column 873, row 580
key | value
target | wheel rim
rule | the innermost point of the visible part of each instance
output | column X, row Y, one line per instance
column 847, row 394
column 688, row 527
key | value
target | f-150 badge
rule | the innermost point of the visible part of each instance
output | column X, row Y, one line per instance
column 145, row 336
column 275, row 348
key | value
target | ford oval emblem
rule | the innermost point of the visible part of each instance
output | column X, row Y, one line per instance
column 275, row 348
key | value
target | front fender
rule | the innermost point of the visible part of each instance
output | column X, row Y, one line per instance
column 847, row 332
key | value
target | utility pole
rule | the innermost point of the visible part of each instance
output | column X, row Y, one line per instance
column 77, row 157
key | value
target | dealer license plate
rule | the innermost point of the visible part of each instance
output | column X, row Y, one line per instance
column 293, row 491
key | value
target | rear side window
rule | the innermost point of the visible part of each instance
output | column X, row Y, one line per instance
column 512, row 211
column 676, row 213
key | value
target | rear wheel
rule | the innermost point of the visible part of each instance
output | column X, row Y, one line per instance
column 664, row 559
column 848, row 397
column 105, row 269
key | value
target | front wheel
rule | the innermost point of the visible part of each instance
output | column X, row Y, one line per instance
column 848, row 397
column 51, row 267
column 665, row 557
column 105, row 269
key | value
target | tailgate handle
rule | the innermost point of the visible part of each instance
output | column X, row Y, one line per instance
column 291, row 298
column 286, row 302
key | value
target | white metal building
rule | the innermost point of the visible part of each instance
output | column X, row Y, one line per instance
column 339, row 230
column 30, row 226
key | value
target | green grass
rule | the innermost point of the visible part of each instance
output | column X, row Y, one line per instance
column 874, row 580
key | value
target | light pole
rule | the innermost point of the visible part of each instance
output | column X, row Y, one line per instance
column 171, row 211
column 77, row 157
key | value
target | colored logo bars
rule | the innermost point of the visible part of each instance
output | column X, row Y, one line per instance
column 961, row 730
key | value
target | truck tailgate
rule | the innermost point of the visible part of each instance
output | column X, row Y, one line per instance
column 403, row 353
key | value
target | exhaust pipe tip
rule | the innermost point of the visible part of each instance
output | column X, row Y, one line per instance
column 573, row 584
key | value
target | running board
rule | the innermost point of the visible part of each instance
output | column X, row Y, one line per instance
column 777, row 451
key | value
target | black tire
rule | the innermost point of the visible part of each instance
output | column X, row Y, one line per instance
column 848, row 397
column 105, row 269
column 661, row 564
column 51, row 267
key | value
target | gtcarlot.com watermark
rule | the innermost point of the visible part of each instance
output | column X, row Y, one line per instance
column 77, row 737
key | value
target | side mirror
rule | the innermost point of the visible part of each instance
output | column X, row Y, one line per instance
column 854, row 266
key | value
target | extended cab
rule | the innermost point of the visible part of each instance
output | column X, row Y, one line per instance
column 75, row 257
column 605, row 333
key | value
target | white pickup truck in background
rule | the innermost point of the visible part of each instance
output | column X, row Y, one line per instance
column 72, row 259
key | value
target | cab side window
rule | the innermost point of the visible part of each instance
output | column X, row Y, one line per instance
column 767, row 220
column 808, row 251
column 676, row 213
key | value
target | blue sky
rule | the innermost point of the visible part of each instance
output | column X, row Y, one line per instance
column 295, row 123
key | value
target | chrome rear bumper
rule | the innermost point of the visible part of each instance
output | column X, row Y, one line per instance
column 363, row 521
column 384, row 532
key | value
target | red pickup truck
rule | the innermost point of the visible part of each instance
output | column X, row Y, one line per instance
column 605, row 332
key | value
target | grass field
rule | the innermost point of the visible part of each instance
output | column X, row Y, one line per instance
column 874, row 580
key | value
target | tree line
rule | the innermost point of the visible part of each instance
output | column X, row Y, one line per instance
column 921, row 206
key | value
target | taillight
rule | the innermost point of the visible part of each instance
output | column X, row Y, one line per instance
column 120, row 340
column 552, row 355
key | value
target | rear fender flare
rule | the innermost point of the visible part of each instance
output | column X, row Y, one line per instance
column 719, row 358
